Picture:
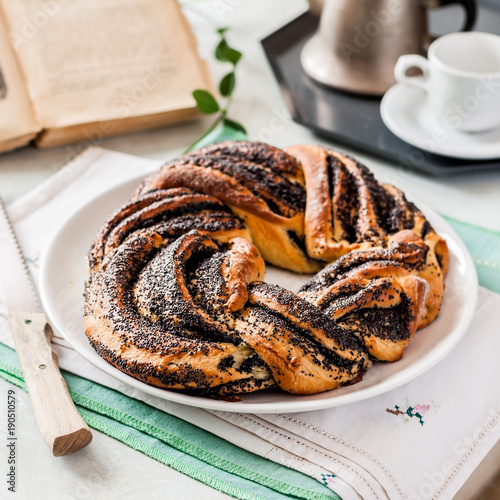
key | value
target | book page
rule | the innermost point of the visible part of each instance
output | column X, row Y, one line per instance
column 95, row 60
column 17, row 121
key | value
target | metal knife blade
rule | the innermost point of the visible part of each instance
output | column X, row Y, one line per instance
column 60, row 423
column 19, row 289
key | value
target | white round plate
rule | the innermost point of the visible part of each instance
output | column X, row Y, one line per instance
column 64, row 271
column 406, row 114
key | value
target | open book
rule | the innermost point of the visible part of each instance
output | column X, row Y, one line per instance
column 85, row 69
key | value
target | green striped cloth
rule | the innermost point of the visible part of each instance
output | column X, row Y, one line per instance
column 197, row 453
column 181, row 445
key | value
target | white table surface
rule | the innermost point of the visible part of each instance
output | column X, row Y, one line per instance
column 107, row 468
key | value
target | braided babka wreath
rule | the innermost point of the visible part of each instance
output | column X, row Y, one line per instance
column 176, row 296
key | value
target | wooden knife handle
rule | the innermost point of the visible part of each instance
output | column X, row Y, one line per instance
column 60, row 423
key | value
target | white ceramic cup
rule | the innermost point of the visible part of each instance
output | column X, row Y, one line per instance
column 462, row 79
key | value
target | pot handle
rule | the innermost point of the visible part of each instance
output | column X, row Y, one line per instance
column 469, row 6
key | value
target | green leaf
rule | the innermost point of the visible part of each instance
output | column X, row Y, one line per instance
column 221, row 51
column 222, row 128
column 234, row 125
column 233, row 55
column 225, row 53
column 227, row 84
column 205, row 101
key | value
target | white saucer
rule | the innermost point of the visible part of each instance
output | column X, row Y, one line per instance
column 406, row 114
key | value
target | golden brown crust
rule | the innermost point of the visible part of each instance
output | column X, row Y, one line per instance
column 261, row 184
column 173, row 325
column 376, row 293
column 175, row 296
column 347, row 210
column 243, row 265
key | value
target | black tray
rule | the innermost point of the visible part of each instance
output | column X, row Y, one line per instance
column 352, row 119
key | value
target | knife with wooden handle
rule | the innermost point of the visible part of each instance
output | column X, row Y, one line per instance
column 60, row 423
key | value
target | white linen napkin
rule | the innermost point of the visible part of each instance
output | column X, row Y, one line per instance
column 419, row 441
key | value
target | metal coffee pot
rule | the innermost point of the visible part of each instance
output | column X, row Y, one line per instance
column 359, row 41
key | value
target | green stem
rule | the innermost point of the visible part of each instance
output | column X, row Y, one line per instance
column 212, row 127
column 223, row 111
column 218, row 121
column 226, row 107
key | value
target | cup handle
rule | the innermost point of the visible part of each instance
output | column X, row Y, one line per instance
column 412, row 61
